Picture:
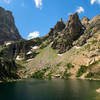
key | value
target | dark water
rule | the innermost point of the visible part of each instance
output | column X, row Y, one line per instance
column 50, row 90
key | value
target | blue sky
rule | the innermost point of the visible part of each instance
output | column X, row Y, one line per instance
column 35, row 17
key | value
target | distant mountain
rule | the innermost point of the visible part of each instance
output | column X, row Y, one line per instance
column 8, row 30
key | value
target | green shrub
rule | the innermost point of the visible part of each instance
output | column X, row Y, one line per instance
column 49, row 76
column 82, row 70
column 69, row 65
column 59, row 64
column 89, row 75
column 19, row 66
column 40, row 73
column 87, row 47
column 44, row 44
column 66, row 75
column 93, row 64
column 93, row 75
column 94, row 41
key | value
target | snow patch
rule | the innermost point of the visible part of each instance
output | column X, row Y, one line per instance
column 60, row 55
column 77, row 47
column 8, row 43
column 51, row 43
column 29, row 59
column 35, row 47
column 18, row 58
column 29, row 52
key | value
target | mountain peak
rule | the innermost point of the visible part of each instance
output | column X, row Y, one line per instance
column 72, row 30
column 61, row 20
column 60, row 25
column 8, row 30
column 74, row 16
column 73, row 25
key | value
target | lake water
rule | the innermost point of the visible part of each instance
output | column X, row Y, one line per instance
column 50, row 90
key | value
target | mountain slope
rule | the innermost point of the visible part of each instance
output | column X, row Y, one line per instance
column 69, row 50
column 83, row 54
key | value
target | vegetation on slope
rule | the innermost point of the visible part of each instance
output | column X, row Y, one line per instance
column 8, row 67
column 82, row 70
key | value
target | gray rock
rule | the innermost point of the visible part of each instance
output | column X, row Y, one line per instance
column 8, row 30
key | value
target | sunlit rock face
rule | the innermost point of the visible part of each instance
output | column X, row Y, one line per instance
column 8, row 30
column 73, row 26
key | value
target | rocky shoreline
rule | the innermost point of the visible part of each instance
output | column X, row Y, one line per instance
column 91, row 79
column 11, row 80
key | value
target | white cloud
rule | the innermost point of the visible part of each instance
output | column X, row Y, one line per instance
column 38, row 3
column 34, row 34
column 7, row 1
column 80, row 9
column 94, row 1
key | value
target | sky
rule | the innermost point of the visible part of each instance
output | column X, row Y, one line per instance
column 34, row 18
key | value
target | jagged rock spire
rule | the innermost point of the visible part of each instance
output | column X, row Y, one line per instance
column 61, row 20
column 73, row 29
column 73, row 25
column 59, row 26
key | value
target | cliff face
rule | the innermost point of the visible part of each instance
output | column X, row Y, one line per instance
column 8, row 30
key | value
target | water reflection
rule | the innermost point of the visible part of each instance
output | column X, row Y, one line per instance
column 50, row 90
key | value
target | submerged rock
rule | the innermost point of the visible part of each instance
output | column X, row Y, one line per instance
column 98, row 90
